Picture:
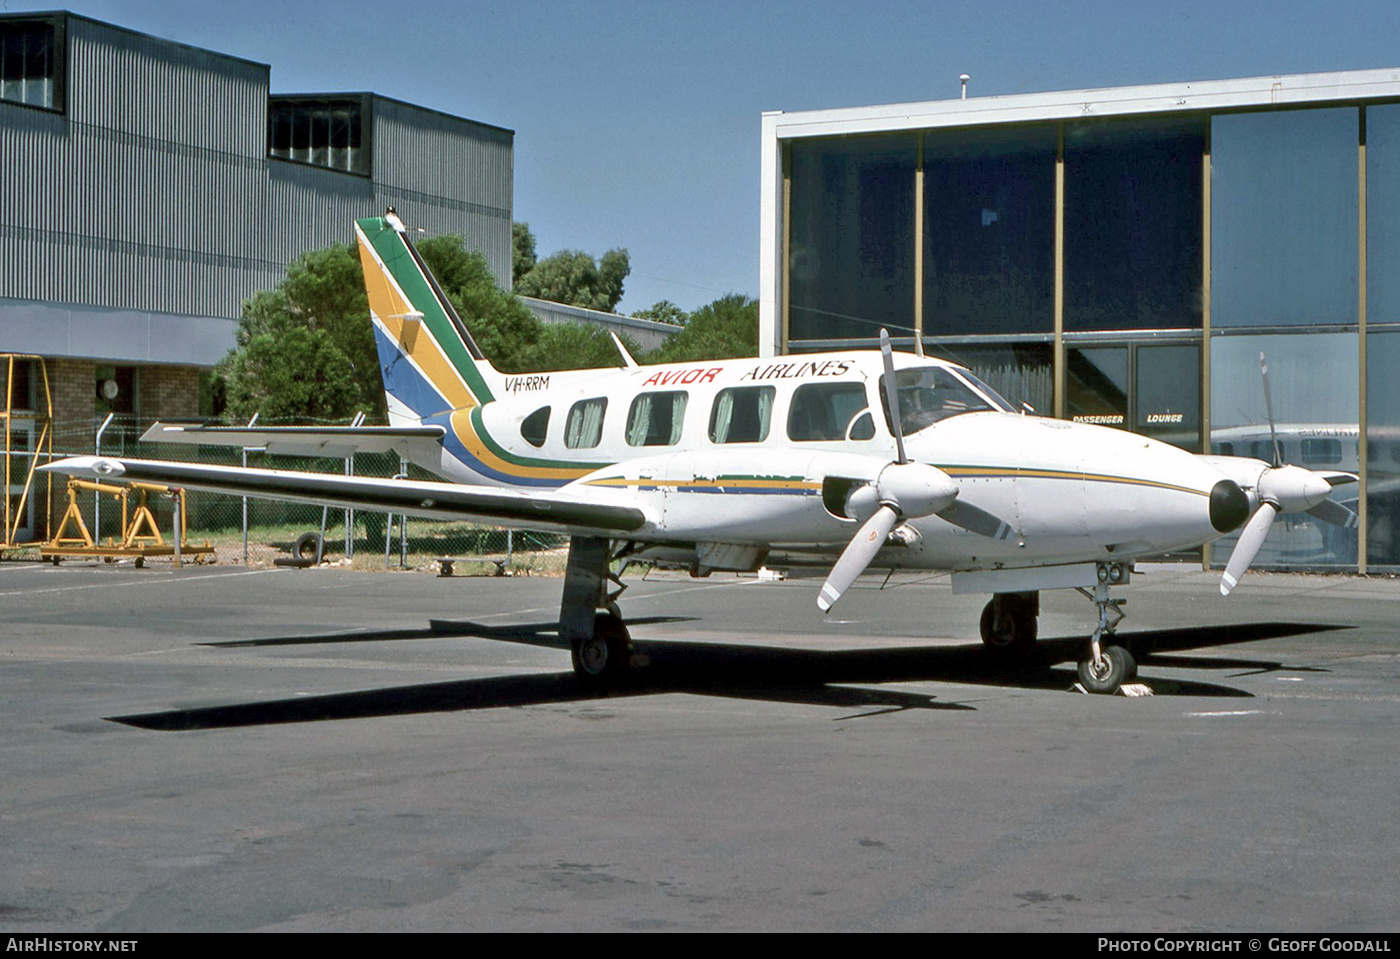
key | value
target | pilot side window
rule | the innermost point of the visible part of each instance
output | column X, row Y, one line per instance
column 583, row 430
column 534, row 427
column 828, row 411
column 741, row 415
column 655, row 419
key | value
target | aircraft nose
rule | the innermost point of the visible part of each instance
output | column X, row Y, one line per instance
column 1229, row 506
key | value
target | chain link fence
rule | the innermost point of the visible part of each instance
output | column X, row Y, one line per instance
column 259, row 531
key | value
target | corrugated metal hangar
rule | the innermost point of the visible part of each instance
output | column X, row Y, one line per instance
column 150, row 187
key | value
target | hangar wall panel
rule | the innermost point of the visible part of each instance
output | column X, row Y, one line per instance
column 152, row 190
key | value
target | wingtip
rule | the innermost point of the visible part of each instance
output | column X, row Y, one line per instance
column 98, row 467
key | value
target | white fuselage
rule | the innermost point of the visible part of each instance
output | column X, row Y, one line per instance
column 1065, row 492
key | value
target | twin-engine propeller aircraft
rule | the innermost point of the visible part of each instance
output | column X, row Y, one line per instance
column 868, row 458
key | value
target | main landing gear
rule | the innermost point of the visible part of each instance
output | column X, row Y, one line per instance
column 589, row 619
column 1008, row 624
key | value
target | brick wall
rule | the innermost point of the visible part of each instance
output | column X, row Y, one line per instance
column 169, row 392
column 73, row 385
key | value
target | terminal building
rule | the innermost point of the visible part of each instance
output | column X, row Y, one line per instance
column 150, row 187
column 1123, row 256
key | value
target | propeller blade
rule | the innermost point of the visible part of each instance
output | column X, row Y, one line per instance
column 1269, row 408
column 1330, row 511
column 1248, row 546
column 974, row 519
column 891, row 394
column 857, row 555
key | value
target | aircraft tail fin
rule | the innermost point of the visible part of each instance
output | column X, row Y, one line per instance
column 429, row 361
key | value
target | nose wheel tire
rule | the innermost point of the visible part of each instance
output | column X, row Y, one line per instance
column 1114, row 667
column 604, row 657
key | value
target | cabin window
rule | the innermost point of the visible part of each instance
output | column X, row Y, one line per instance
column 1262, row 450
column 741, row 415
column 655, row 419
column 534, row 427
column 584, row 428
column 1319, row 452
column 825, row 411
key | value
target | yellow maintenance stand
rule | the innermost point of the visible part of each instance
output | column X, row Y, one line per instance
column 140, row 537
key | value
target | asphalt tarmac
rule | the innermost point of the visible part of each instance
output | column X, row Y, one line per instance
column 229, row 749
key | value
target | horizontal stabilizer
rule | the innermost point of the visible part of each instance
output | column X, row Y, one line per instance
column 335, row 441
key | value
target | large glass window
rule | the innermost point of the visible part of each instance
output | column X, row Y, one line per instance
column 1096, row 385
column 851, row 251
column 1382, row 450
column 30, row 63
column 989, row 231
column 1383, row 213
column 741, row 414
column 1133, row 211
column 1150, row 388
column 1312, row 382
column 321, row 132
column 1284, row 217
column 1167, row 394
column 655, row 419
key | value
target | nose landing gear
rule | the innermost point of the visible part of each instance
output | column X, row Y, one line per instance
column 1106, row 668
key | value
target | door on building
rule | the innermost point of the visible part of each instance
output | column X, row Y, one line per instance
column 17, row 433
column 1149, row 388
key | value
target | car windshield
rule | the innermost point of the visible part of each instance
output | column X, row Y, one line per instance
column 929, row 394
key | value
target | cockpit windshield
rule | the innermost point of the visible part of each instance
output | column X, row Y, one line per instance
column 929, row 394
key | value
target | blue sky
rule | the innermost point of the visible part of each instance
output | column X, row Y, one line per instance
column 637, row 123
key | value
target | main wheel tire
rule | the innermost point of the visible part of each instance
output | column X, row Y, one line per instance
column 603, row 658
column 1010, row 631
column 1116, row 667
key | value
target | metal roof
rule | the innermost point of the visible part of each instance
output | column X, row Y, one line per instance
column 1294, row 90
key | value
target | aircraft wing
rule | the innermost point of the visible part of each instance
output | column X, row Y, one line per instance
column 425, row 498
column 333, row 441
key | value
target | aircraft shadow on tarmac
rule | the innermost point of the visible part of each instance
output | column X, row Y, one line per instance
column 742, row 672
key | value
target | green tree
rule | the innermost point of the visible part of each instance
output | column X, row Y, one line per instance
column 502, row 326
column 578, row 346
column 663, row 311
column 523, row 258
column 724, row 329
column 305, row 349
column 575, row 278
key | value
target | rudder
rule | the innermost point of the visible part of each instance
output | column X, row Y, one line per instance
column 428, row 360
